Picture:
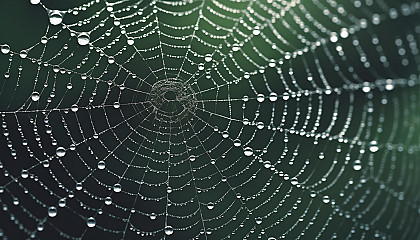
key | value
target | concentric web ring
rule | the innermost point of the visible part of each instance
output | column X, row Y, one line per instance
column 210, row 120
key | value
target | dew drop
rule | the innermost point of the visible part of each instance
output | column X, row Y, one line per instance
column 326, row 199
column 40, row 226
column 23, row 54
column 130, row 41
column 116, row 105
column 235, row 47
column 210, row 205
column 273, row 97
column 260, row 98
column 357, row 165
column 286, row 96
column 24, row 173
column 44, row 40
column 62, row 202
column 208, row 58
column 373, row 146
column 108, row 200
column 91, row 222
column 5, row 49
column 248, row 151
column 111, row 60
column 117, row 187
column 56, row 17
column 60, row 152
column 83, row 39
column 169, row 230
column 74, row 108
column 101, row 165
column 258, row 220
column 192, row 158
column 225, row 134
column 152, row 216
column 35, row 96
column 312, row 194
column 256, row 30
column 52, row 211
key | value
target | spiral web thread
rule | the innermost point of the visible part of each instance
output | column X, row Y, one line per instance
column 215, row 120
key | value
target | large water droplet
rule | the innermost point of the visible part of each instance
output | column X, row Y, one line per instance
column 74, row 108
column 91, row 222
column 24, row 173
column 35, row 96
column 56, row 17
column 326, row 199
column 357, row 165
column 210, row 205
column 258, row 220
column 5, row 49
column 23, row 54
column 62, row 202
column 248, row 151
column 116, row 105
column 108, row 200
column 52, row 211
column 169, row 230
column 101, row 165
column 152, row 216
column 373, row 146
column 60, row 152
column 83, row 39
column 273, row 97
column 40, row 226
column 117, row 187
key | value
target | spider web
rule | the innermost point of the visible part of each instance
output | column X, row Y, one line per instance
column 214, row 120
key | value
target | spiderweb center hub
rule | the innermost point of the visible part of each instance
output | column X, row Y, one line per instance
column 173, row 100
